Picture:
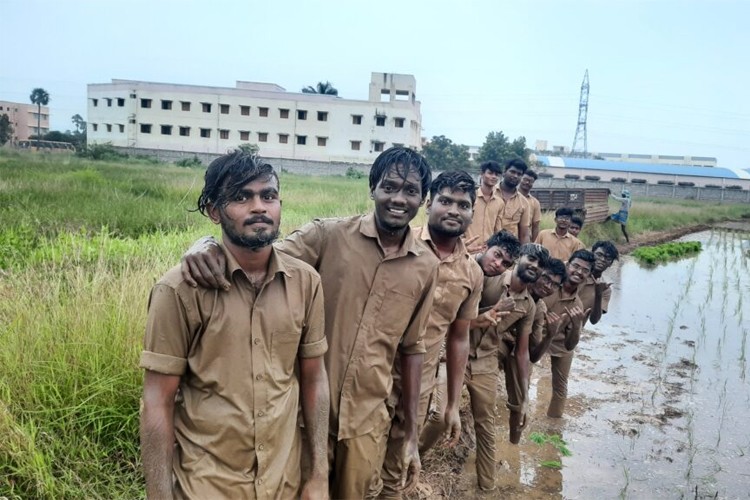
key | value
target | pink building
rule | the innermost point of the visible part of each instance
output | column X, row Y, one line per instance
column 23, row 119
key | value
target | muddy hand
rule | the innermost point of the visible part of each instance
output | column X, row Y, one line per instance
column 453, row 423
column 506, row 304
column 411, row 466
column 577, row 316
column 204, row 264
column 601, row 286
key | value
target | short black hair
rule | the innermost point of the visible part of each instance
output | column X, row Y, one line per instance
column 556, row 267
column 491, row 165
column 609, row 248
column 563, row 211
column 536, row 250
column 455, row 180
column 577, row 220
column 506, row 240
column 583, row 255
column 227, row 175
column 516, row 163
column 408, row 159
column 531, row 174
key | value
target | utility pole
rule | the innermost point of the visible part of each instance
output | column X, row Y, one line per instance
column 583, row 109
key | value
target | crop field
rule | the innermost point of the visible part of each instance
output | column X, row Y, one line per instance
column 81, row 244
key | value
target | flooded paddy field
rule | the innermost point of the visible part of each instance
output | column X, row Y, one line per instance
column 659, row 396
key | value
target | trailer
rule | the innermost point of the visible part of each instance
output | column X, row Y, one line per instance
column 592, row 203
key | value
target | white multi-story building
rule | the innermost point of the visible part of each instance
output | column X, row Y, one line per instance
column 202, row 119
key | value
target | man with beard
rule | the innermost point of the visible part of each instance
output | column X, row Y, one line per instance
column 563, row 345
column 378, row 282
column 535, row 208
column 558, row 241
column 455, row 304
column 515, row 213
column 507, row 338
column 502, row 251
column 486, row 220
column 222, row 387
column 595, row 293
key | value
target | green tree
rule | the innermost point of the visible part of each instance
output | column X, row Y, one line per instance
column 40, row 97
column 6, row 129
column 497, row 147
column 79, row 123
column 444, row 154
column 321, row 88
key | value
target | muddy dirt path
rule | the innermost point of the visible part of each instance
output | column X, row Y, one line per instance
column 658, row 398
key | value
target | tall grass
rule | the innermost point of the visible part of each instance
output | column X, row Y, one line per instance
column 81, row 244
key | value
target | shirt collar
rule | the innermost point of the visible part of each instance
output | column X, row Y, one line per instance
column 275, row 265
column 423, row 234
column 410, row 244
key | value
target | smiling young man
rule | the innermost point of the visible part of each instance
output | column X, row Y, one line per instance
column 486, row 220
column 515, row 214
column 378, row 281
column 535, row 208
column 456, row 303
column 560, row 243
column 596, row 293
column 222, row 387
column 563, row 345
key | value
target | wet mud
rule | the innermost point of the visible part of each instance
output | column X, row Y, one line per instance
column 659, row 395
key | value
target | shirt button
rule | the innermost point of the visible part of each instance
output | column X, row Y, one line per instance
column 261, row 447
column 259, row 377
column 256, row 341
column 260, row 481
column 260, row 413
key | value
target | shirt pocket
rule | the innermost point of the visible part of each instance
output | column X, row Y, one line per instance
column 395, row 313
column 285, row 345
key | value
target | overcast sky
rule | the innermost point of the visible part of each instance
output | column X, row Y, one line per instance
column 666, row 77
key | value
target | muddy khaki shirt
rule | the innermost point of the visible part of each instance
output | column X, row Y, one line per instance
column 586, row 293
column 375, row 305
column 557, row 303
column 459, row 288
column 235, row 418
column 486, row 221
column 514, row 213
column 535, row 211
column 485, row 342
column 560, row 247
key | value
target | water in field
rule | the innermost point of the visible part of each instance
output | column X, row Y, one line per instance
column 659, row 397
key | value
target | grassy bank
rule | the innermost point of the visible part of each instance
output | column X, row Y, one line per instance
column 81, row 244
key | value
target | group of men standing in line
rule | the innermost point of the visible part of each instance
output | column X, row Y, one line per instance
column 326, row 363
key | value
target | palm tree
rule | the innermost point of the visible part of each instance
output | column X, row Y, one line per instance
column 326, row 88
column 40, row 97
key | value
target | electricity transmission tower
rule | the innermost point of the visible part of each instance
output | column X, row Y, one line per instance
column 583, row 109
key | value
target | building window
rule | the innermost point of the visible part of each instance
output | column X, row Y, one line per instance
column 109, row 102
column 356, row 145
column 120, row 102
column 398, row 145
column 380, row 121
column 301, row 114
column 121, row 127
column 185, row 105
column 95, row 126
column 262, row 136
column 322, row 141
column 166, row 104
column 224, row 109
column 244, row 135
column 166, row 130
column 185, row 131
column 109, row 127
column 283, row 138
column 145, row 128
column 398, row 122
column 245, row 110
column 145, row 103
column 263, row 112
column 223, row 134
column 356, row 119
column 95, row 102
column 206, row 106
column 322, row 116
column 206, row 132
column 377, row 146
column 301, row 140
column 283, row 113
column 131, row 120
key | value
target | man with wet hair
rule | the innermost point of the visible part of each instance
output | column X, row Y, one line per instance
column 595, row 293
column 222, row 387
column 560, row 243
column 456, row 302
column 535, row 209
column 378, row 281
column 486, row 220
column 515, row 212
column 502, row 251
column 506, row 339
column 576, row 224
column 552, row 278
column 562, row 346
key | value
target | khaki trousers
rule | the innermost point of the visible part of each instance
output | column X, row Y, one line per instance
column 482, row 389
column 560, row 371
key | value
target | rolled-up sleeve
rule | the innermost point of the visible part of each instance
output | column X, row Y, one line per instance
column 314, row 342
column 167, row 339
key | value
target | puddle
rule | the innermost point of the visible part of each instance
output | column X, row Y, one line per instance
column 659, row 394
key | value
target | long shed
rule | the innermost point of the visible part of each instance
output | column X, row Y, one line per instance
column 591, row 203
